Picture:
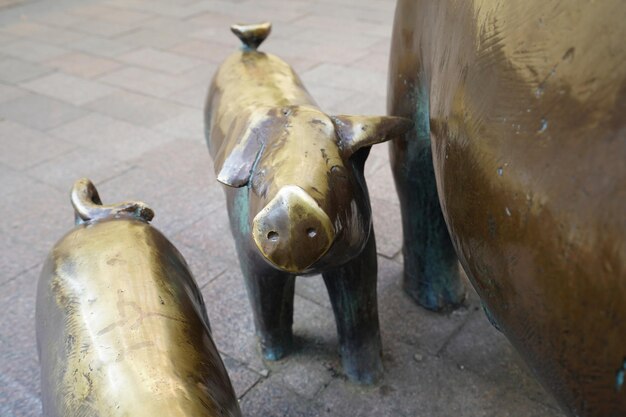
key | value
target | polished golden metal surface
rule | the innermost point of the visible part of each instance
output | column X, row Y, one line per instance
column 265, row 131
column 121, row 324
column 525, row 102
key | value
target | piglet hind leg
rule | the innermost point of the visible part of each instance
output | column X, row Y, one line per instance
column 352, row 291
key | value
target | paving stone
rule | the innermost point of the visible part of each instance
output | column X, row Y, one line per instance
column 17, row 328
column 193, row 96
column 388, row 226
column 38, row 216
column 155, row 38
column 23, row 147
column 136, row 108
column 68, row 88
column 15, row 71
column 480, row 348
column 403, row 320
column 99, row 27
column 271, row 399
column 20, row 402
column 31, row 51
column 105, row 47
column 146, row 81
column 340, row 76
column 241, row 377
column 21, row 366
column 206, row 50
column 62, row 171
column 83, row 65
column 328, row 98
column 8, row 93
column 39, row 112
column 189, row 124
column 337, row 53
column 110, row 137
column 110, row 14
column 61, row 19
column 159, row 60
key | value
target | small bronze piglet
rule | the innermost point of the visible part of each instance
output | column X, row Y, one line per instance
column 121, row 324
column 297, row 198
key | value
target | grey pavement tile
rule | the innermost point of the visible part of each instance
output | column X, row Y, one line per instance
column 231, row 319
column 328, row 98
column 9, row 92
column 340, row 25
column 13, row 180
column 270, row 398
column 168, row 62
column 336, row 53
column 61, row 19
column 83, row 65
column 241, row 377
column 22, row 366
column 17, row 328
column 69, row 88
column 31, row 51
column 378, row 61
column 57, row 36
column 365, row 103
column 357, row 40
column 23, row 147
column 20, row 402
column 62, row 171
column 193, row 96
column 480, row 348
column 136, row 108
column 146, row 81
column 38, row 216
column 24, row 29
column 14, row 70
column 155, row 38
column 17, row 256
column 102, row 46
column 388, row 226
column 39, row 112
column 110, row 137
column 403, row 320
column 100, row 27
column 342, row 76
column 205, row 50
column 189, row 124
column 109, row 13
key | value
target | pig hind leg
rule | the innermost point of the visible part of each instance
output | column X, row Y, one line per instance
column 352, row 291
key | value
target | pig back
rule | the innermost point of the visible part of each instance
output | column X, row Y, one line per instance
column 122, row 329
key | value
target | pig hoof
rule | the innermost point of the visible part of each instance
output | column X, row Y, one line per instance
column 273, row 353
column 441, row 299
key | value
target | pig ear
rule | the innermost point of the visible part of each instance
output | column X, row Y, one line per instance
column 356, row 132
column 234, row 160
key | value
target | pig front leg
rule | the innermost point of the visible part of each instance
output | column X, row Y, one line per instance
column 431, row 274
column 271, row 294
column 270, row 291
column 352, row 291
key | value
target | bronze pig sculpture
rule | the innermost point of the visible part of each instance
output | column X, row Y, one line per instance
column 297, row 198
column 121, row 324
column 525, row 106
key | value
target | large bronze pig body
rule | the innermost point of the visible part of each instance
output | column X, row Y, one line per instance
column 525, row 105
column 297, row 198
column 121, row 325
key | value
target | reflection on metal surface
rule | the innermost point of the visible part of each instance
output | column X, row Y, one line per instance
column 297, row 198
column 121, row 324
column 525, row 103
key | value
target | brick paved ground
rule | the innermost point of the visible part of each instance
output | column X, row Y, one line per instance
column 114, row 90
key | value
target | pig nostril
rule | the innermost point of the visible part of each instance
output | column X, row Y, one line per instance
column 273, row 236
column 311, row 232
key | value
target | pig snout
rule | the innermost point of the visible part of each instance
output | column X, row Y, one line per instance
column 292, row 231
